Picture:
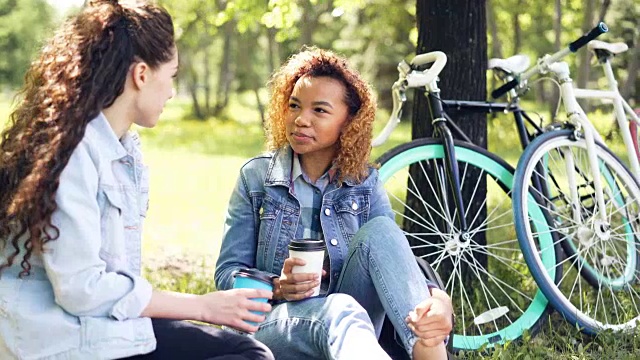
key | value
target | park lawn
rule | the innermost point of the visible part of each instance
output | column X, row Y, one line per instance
column 193, row 169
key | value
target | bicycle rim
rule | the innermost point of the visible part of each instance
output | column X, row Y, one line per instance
column 598, row 287
column 495, row 298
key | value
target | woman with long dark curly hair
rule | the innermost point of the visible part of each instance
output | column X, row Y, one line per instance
column 316, row 184
column 74, row 194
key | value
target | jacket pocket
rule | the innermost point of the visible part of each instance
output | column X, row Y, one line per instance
column 269, row 214
column 112, row 227
column 42, row 328
column 98, row 332
column 352, row 203
column 352, row 211
column 143, row 201
column 9, row 292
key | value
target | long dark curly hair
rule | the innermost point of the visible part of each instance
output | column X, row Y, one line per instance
column 354, row 144
column 79, row 72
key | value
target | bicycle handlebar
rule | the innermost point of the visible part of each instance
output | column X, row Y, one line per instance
column 410, row 78
column 601, row 28
column 504, row 88
column 544, row 62
column 420, row 78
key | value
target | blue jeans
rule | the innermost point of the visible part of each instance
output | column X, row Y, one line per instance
column 380, row 276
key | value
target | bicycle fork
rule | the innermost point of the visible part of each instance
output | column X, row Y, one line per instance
column 452, row 172
column 578, row 118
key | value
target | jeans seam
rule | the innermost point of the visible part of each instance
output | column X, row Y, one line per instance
column 409, row 335
column 310, row 321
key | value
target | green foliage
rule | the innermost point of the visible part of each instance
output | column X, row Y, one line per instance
column 23, row 24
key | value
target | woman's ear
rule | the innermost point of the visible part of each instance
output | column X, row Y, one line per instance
column 140, row 74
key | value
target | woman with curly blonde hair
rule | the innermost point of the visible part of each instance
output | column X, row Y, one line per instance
column 74, row 194
column 316, row 184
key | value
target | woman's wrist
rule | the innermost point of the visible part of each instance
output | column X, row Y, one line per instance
column 174, row 305
column 277, row 291
column 197, row 303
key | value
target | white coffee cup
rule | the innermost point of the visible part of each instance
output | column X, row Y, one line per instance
column 312, row 252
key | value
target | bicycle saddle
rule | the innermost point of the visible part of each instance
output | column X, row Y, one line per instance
column 614, row 48
column 514, row 64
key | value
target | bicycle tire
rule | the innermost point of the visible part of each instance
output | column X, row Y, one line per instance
column 588, row 245
column 472, row 333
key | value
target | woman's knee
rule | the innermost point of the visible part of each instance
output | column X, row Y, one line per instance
column 380, row 231
column 250, row 348
column 341, row 311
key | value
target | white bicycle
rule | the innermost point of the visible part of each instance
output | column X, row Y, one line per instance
column 594, row 203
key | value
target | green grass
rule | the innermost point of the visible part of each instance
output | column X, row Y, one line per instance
column 194, row 166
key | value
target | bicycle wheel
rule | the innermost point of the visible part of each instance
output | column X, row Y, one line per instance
column 495, row 298
column 600, row 290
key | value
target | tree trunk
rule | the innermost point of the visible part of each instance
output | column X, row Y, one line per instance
column 191, row 80
column 496, row 45
column 459, row 29
column 584, row 56
column 604, row 9
column 627, row 90
column 274, row 53
column 256, row 91
column 226, row 72
column 308, row 23
column 557, row 29
column 517, row 30
column 206, row 62
column 192, row 86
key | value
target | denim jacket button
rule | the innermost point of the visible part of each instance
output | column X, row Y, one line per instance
column 334, row 242
column 354, row 206
column 327, row 212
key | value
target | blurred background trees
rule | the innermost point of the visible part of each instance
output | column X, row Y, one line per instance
column 22, row 26
column 229, row 48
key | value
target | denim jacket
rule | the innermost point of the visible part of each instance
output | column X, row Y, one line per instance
column 263, row 217
column 85, row 294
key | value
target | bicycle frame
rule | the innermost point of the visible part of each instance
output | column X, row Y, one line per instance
column 446, row 130
column 442, row 131
column 578, row 118
column 520, row 116
column 621, row 107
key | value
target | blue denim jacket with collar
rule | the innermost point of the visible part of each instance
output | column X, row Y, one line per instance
column 263, row 217
column 85, row 294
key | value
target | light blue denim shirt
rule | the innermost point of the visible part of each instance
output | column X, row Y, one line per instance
column 263, row 216
column 85, row 295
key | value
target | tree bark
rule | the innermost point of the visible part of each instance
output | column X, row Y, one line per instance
column 459, row 29
column 584, row 56
column 557, row 29
column 274, row 52
column 226, row 71
column 517, row 29
column 206, row 63
column 308, row 23
column 604, row 9
column 631, row 83
column 496, row 45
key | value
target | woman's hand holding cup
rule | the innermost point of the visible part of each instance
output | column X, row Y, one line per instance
column 297, row 286
column 236, row 308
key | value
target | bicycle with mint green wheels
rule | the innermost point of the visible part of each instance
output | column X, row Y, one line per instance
column 593, row 199
column 469, row 240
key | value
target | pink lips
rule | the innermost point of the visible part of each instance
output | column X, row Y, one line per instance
column 300, row 137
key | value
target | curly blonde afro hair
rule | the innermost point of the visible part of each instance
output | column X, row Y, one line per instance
column 354, row 144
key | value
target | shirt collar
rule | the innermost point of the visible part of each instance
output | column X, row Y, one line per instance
column 100, row 131
column 281, row 169
column 296, row 170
